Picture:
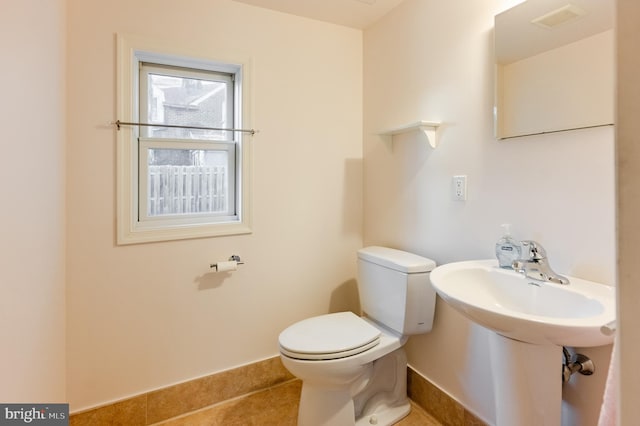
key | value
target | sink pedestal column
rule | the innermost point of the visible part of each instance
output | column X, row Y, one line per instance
column 527, row 382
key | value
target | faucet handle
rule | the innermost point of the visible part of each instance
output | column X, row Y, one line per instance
column 534, row 249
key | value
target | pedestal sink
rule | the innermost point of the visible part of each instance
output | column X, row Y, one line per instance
column 532, row 320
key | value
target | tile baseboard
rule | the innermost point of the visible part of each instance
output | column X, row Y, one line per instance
column 234, row 393
column 437, row 403
column 173, row 401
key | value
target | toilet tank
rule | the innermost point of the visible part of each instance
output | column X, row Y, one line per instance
column 395, row 289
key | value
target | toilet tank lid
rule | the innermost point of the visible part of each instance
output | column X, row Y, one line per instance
column 397, row 260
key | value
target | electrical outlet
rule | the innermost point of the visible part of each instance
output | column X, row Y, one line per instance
column 460, row 188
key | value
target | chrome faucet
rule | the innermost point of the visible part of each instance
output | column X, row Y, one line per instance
column 534, row 264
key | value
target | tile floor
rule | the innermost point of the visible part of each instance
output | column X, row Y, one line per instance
column 276, row 406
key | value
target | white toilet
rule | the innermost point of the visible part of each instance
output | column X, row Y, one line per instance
column 354, row 369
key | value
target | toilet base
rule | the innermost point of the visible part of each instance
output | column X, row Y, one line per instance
column 321, row 406
column 377, row 397
column 387, row 416
column 335, row 408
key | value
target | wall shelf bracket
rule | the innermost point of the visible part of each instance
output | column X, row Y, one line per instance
column 429, row 128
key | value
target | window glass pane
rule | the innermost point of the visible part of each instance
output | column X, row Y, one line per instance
column 187, row 181
column 186, row 101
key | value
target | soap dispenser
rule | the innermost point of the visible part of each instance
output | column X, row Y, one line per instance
column 508, row 250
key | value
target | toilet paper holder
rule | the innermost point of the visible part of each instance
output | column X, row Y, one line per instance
column 232, row 258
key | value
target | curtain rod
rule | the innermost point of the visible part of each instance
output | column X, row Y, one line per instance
column 119, row 123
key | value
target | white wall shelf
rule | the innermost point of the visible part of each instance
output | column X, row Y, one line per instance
column 427, row 127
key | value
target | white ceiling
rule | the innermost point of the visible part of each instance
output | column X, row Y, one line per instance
column 351, row 13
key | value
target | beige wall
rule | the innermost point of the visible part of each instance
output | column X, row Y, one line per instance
column 432, row 60
column 628, row 170
column 32, row 306
column 146, row 316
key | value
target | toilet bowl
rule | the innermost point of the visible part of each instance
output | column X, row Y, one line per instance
column 353, row 368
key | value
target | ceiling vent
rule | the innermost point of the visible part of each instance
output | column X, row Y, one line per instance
column 559, row 16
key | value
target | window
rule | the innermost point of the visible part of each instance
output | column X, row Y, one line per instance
column 183, row 174
column 186, row 173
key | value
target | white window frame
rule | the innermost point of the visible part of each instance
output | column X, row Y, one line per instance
column 226, row 141
column 183, row 218
column 133, row 228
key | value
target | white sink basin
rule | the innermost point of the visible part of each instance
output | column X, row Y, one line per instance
column 531, row 311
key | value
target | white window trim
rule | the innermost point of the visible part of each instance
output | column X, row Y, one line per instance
column 130, row 51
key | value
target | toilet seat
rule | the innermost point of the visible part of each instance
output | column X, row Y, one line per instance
column 327, row 337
